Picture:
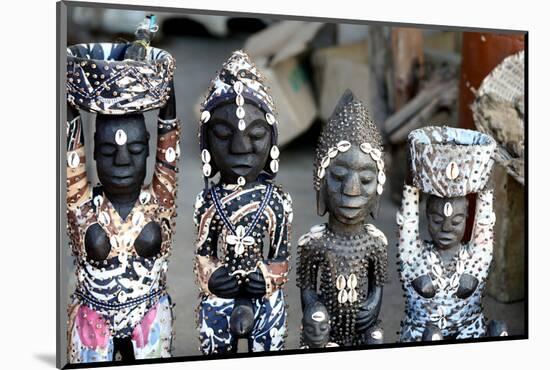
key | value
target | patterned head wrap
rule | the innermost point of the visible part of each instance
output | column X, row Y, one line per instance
column 238, row 82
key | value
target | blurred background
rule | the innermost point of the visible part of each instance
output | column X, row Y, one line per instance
column 407, row 77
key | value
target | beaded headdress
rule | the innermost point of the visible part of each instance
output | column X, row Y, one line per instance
column 239, row 81
column 349, row 124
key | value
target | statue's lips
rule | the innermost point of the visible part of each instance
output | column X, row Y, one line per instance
column 241, row 169
column 445, row 239
column 350, row 212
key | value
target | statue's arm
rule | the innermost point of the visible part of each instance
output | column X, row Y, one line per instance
column 407, row 221
column 167, row 153
column 78, row 188
column 307, row 272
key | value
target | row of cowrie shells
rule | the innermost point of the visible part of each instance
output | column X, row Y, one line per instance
column 274, row 154
column 343, row 146
column 342, row 283
column 345, row 296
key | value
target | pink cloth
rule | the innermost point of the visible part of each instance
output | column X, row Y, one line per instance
column 92, row 328
column 141, row 332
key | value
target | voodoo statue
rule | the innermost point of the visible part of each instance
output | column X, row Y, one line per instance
column 343, row 263
column 120, row 231
column 444, row 278
column 240, row 283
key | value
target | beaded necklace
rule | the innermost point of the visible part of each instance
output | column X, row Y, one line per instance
column 240, row 235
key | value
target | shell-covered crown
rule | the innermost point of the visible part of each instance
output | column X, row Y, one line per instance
column 350, row 124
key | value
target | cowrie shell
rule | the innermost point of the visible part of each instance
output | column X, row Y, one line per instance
column 318, row 316
column 207, row 169
column 366, row 147
column 205, row 156
column 239, row 249
column 448, row 209
column 144, row 197
column 104, row 218
column 170, row 154
column 332, row 152
column 304, row 239
column 238, row 87
column 274, row 153
column 242, row 125
column 178, row 149
column 240, row 112
column 375, row 154
column 352, row 281
column 342, row 296
column 241, row 181
column 452, row 171
column 274, row 166
column 436, row 269
column 239, row 100
column 381, row 177
column 318, row 228
column 504, row 333
column 379, row 189
column 137, row 218
column 377, row 334
column 98, row 201
column 325, row 162
column 120, row 137
column 380, row 164
column 127, row 240
column 270, row 118
column 340, row 282
column 460, row 266
column 321, row 172
column 343, row 146
column 74, row 159
column 205, row 116
column 399, row 218
column 352, row 295
column 454, row 281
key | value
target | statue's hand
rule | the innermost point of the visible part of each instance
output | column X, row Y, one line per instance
column 222, row 284
column 254, row 285
column 424, row 286
column 466, row 286
column 366, row 317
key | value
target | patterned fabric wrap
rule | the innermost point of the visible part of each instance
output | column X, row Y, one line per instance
column 343, row 272
column 455, row 317
column 100, row 81
column 125, row 286
column 240, row 205
column 90, row 338
column 267, row 334
column 450, row 162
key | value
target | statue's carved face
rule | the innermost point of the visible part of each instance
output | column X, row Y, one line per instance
column 237, row 153
column 446, row 220
column 120, row 151
column 349, row 187
column 316, row 327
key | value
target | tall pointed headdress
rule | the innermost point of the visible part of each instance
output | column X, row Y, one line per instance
column 349, row 124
